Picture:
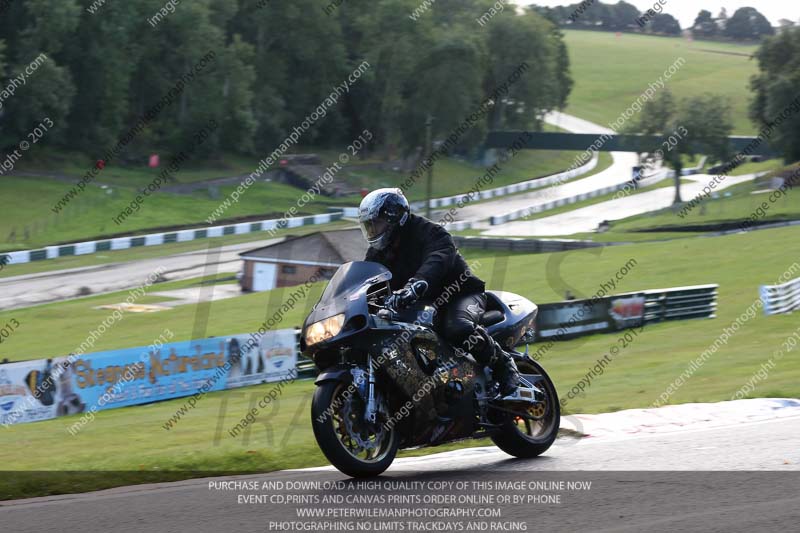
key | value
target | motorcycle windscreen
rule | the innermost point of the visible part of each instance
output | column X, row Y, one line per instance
column 351, row 276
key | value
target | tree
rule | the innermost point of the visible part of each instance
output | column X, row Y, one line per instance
column 700, row 124
column 748, row 24
column 722, row 19
column 445, row 85
column 274, row 65
column 704, row 25
column 775, row 104
column 524, row 40
column 238, row 122
column 42, row 28
column 624, row 15
column 665, row 24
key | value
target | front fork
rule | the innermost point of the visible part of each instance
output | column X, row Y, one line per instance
column 365, row 385
column 371, row 412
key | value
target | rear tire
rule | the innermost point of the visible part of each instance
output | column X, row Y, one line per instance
column 511, row 440
column 329, row 441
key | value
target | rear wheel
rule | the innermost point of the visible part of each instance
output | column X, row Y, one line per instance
column 531, row 434
column 355, row 447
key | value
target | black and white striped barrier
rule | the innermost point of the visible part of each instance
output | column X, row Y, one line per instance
column 536, row 183
column 155, row 239
column 528, row 211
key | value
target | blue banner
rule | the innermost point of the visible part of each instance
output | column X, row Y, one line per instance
column 133, row 376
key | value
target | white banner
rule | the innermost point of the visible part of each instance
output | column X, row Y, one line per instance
column 35, row 390
column 273, row 359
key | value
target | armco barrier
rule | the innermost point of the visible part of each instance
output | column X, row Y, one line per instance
column 678, row 303
column 533, row 246
column 528, row 211
column 784, row 298
column 536, row 183
column 655, row 178
column 575, row 318
column 44, row 389
column 155, row 239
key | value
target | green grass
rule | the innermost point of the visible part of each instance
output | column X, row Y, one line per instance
column 91, row 214
column 611, row 72
column 752, row 168
column 635, row 378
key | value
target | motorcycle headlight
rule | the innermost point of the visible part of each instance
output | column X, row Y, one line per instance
column 324, row 329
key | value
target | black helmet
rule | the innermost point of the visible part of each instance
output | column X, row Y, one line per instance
column 381, row 212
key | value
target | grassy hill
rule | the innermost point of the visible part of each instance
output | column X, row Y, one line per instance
column 611, row 71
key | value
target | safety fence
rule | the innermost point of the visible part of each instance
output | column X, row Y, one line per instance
column 536, row 183
column 678, row 303
column 575, row 318
column 156, row 239
column 528, row 211
column 784, row 298
column 533, row 246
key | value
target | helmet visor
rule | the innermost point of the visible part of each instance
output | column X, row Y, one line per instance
column 373, row 229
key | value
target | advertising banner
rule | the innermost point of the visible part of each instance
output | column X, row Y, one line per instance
column 572, row 318
column 270, row 357
column 133, row 376
column 584, row 317
column 35, row 390
column 627, row 311
column 43, row 389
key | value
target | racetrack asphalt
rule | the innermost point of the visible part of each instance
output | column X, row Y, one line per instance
column 741, row 477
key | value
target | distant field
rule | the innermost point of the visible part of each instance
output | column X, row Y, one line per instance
column 636, row 377
column 610, row 72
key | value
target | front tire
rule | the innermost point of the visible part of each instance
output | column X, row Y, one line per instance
column 330, row 407
column 527, row 439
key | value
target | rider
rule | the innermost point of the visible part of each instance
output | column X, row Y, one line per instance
column 424, row 262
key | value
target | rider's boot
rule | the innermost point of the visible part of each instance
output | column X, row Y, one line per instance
column 489, row 353
column 504, row 371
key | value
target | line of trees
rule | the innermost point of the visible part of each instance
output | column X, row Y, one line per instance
column 747, row 23
column 275, row 63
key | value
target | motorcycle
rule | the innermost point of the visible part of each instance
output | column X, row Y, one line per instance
column 388, row 381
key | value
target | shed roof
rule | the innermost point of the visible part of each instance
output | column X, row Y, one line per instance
column 323, row 247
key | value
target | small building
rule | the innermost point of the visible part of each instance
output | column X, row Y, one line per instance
column 296, row 259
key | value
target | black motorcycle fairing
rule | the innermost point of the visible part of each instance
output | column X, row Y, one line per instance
column 519, row 315
column 346, row 294
column 335, row 373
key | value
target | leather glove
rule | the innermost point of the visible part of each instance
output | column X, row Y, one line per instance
column 408, row 295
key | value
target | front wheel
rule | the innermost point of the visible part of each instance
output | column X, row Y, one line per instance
column 526, row 438
column 353, row 446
